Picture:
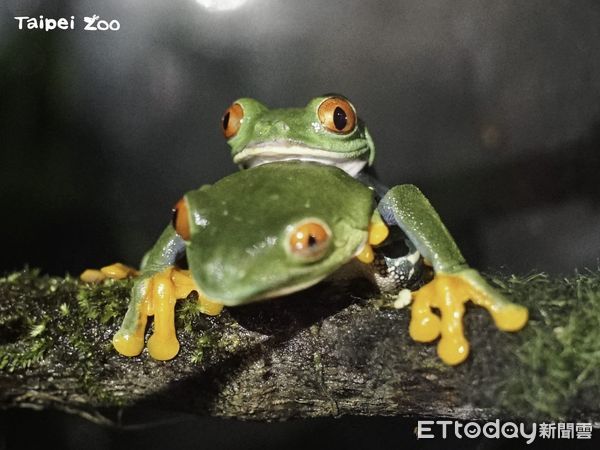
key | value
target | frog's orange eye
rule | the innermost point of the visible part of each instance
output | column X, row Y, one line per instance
column 181, row 221
column 232, row 120
column 310, row 240
column 337, row 115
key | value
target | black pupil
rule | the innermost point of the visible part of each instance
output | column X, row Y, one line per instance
column 225, row 120
column 339, row 118
column 312, row 241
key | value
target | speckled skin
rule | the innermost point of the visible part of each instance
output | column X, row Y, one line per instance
column 397, row 265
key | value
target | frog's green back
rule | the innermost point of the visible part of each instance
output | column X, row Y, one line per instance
column 240, row 225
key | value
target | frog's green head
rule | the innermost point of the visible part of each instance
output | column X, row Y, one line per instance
column 327, row 130
column 274, row 229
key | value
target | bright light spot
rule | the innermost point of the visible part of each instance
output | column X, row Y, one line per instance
column 221, row 5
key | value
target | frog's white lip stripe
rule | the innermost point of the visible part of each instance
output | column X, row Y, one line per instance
column 273, row 152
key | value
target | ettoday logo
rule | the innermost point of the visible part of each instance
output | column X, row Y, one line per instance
column 429, row 429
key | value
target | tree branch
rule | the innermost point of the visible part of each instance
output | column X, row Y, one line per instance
column 327, row 351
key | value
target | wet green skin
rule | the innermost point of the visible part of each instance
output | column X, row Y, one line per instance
column 239, row 251
column 271, row 128
column 239, row 247
column 404, row 206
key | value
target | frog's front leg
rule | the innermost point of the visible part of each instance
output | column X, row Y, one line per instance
column 454, row 283
column 129, row 340
column 156, row 295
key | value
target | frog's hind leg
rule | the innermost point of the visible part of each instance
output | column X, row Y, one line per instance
column 453, row 283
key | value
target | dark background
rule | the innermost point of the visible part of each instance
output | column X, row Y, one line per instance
column 491, row 107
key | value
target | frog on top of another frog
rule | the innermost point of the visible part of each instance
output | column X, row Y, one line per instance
column 328, row 131
column 242, row 237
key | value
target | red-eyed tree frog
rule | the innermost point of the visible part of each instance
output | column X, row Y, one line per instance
column 280, row 227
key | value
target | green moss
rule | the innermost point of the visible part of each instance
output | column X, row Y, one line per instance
column 23, row 355
column 24, row 339
column 559, row 353
column 229, row 342
column 188, row 313
column 99, row 302
column 551, row 369
column 204, row 343
column 48, row 320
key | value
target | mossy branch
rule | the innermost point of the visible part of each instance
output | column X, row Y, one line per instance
column 326, row 351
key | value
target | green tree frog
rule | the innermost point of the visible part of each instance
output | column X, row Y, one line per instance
column 277, row 228
column 327, row 131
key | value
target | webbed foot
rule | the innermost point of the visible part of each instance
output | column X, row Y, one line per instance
column 448, row 293
column 156, row 296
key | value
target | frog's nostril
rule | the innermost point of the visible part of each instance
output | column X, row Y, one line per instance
column 281, row 126
column 267, row 127
column 262, row 127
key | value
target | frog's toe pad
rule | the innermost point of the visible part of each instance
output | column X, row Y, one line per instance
column 453, row 350
column 118, row 271
column 510, row 317
column 163, row 349
column 92, row 276
column 425, row 329
column 127, row 344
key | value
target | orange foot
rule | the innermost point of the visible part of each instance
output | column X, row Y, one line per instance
column 159, row 295
column 116, row 271
column 448, row 293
